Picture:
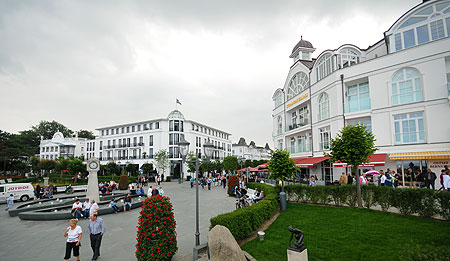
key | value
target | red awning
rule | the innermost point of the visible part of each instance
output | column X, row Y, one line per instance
column 309, row 162
column 250, row 169
column 262, row 166
column 374, row 160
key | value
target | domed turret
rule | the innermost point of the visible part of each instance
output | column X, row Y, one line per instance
column 302, row 50
column 175, row 114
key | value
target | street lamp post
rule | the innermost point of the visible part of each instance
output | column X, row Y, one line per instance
column 184, row 149
column 208, row 148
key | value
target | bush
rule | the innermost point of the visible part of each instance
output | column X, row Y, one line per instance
column 426, row 252
column 156, row 236
column 425, row 202
column 242, row 222
column 123, row 182
column 443, row 204
column 168, row 179
column 232, row 183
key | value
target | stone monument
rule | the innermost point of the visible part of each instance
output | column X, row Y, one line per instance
column 297, row 251
column 93, row 166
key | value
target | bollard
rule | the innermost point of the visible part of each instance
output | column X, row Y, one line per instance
column 283, row 200
column 261, row 235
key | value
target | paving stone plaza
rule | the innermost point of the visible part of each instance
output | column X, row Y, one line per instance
column 43, row 240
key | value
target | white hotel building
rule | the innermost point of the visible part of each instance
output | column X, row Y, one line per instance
column 399, row 87
column 136, row 143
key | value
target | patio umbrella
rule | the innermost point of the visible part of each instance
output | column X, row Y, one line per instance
column 371, row 172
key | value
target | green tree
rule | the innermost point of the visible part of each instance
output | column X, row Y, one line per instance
column 147, row 168
column 281, row 166
column 47, row 165
column 217, row 165
column 354, row 144
column 131, row 168
column 86, row 134
column 191, row 160
column 162, row 160
column 34, row 162
column 46, row 129
column 230, row 163
column 112, row 169
column 76, row 166
column 61, row 165
column 206, row 165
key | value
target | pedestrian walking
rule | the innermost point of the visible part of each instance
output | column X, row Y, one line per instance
column 96, row 230
column 209, row 183
column 224, row 182
column 192, row 182
column 10, row 201
column 73, row 234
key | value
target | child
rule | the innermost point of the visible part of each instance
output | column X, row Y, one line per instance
column 114, row 206
column 10, row 201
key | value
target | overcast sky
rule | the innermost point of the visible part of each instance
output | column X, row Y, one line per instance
column 90, row 64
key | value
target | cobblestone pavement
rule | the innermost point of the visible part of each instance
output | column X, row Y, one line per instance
column 43, row 240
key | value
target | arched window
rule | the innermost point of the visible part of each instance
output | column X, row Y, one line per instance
column 325, row 66
column 432, row 22
column 348, row 57
column 406, row 86
column 297, row 84
column 324, row 107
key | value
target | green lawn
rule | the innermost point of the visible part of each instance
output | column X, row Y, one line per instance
column 342, row 233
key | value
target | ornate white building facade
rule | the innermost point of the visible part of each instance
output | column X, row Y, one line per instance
column 60, row 146
column 398, row 87
column 138, row 142
column 251, row 151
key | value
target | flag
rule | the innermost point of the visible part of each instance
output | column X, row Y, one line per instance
column 178, row 101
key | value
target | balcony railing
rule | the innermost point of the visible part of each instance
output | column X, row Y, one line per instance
column 300, row 149
column 296, row 126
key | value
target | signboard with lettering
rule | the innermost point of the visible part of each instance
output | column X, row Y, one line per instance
column 297, row 100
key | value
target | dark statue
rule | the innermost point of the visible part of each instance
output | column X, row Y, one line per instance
column 298, row 245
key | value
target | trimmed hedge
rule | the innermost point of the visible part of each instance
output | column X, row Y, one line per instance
column 424, row 202
column 242, row 222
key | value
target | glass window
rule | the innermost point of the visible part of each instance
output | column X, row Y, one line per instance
column 406, row 87
column 358, row 98
column 437, row 29
column 422, row 34
column 112, row 131
column 447, row 22
column 408, row 38
column 324, row 107
column 365, row 122
column 398, row 42
column 156, row 125
column 132, row 128
column 128, row 129
column 409, row 128
column 297, row 84
column 303, row 114
column 139, row 127
column 325, row 66
column 325, row 136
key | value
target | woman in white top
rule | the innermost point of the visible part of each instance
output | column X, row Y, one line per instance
column 73, row 234
column 363, row 180
column 76, row 209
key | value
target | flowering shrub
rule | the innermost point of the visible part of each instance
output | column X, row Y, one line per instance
column 123, row 182
column 156, row 236
column 232, row 182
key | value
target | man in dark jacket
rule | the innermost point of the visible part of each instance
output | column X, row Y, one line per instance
column 430, row 178
column 155, row 192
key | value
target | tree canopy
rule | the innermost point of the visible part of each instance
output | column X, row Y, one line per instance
column 230, row 163
column 281, row 166
column 354, row 144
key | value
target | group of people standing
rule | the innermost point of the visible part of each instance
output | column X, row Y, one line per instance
column 74, row 232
